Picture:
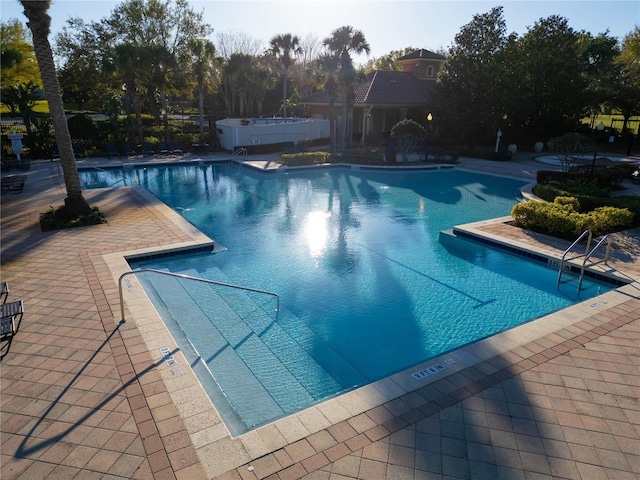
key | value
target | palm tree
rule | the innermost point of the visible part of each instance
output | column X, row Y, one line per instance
column 328, row 67
column 125, row 58
column 39, row 23
column 283, row 47
column 204, row 58
column 343, row 42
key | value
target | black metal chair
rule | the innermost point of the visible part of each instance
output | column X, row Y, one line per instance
column 10, row 318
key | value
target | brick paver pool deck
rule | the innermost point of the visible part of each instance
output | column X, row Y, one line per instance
column 84, row 395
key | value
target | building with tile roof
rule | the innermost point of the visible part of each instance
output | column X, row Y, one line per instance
column 387, row 97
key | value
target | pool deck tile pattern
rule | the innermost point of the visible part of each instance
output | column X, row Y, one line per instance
column 84, row 395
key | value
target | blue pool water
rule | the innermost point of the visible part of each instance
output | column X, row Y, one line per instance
column 369, row 285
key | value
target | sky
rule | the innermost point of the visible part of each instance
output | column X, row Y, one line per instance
column 386, row 25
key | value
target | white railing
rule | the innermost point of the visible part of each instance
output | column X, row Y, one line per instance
column 189, row 277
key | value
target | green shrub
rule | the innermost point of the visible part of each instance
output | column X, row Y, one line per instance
column 547, row 191
column 304, row 158
column 56, row 219
column 584, row 186
column 561, row 218
column 588, row 203
column 572, row 202
column 361, row 156
column 610, row 219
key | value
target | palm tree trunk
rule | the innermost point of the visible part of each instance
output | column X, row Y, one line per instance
column 39, row 24
column 332, row 132
column 284, row 95
column 343, row 133
column 201, row 110
column 138, row 111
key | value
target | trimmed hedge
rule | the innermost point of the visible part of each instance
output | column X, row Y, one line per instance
column 304, row 158
column 360, row 157
column 588, row 203
column 605, row 177
column 562, row 219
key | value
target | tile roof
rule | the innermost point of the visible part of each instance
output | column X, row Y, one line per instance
column 422, row 53
column 385, row 87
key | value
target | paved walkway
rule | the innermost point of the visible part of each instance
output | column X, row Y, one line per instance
column 87, row 396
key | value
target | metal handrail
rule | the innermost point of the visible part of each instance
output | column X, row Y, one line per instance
column 240, row 151
column 587, row 256
column 189, row 277
column 563, row 259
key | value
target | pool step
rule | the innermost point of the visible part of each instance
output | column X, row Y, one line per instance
column 322, row 353
column 238, row 337
column 231, row 372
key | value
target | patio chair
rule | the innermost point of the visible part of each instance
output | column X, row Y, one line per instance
column 4, row 291
column 13, row 183
column 10, row 319
column 162, row 148
column 173, row 147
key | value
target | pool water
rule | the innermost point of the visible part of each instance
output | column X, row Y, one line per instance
column 369, row 286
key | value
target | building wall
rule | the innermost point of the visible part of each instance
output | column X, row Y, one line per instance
column 423, row 68
column 237, row 132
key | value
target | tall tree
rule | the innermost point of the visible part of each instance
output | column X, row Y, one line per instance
column 204, row 61
column 163, row 29
column 86, row 72
column 235, row 83
column 285, row 47
column 552, row 88
column 233, row 42
column 627, row 92
column 328, row 66
column 343, row 42
column 40, row 24
column 19, row 64
column 599, row 69
column 145, row 44
column 125, row 59
column 469, row 96
column 20, row 79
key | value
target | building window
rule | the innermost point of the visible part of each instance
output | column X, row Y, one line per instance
column 430, row 71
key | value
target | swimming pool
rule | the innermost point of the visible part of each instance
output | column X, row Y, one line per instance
column 369, row 285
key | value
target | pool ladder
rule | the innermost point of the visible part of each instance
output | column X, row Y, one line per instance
column 562, row 267
column 189, row 277
column 238, row 152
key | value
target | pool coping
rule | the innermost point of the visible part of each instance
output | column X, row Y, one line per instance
column 369, row 412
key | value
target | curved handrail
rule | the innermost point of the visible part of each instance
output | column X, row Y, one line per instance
column 563, row 259
column 240, row 151
column 189, row 277
column 588, row 255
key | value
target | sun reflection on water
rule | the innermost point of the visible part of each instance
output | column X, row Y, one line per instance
column 316, row 231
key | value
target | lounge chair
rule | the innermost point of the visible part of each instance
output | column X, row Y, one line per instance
column 10, row 319
column 4, row 291
column 13, row 183
column 112, row 150
column 173, row 147
column 162, row 148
